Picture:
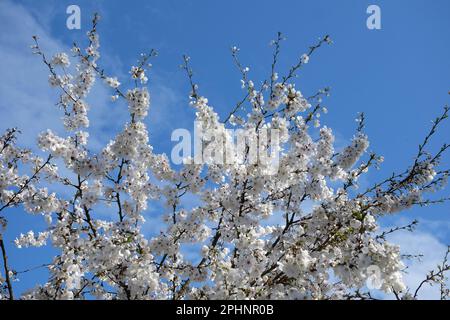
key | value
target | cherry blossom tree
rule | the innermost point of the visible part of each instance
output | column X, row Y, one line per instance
column 325, row 244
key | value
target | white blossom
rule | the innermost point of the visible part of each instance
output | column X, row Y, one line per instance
column 303, row 231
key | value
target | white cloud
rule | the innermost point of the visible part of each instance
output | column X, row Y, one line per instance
column 433, row 251
column 26, row 101
column 29, row 103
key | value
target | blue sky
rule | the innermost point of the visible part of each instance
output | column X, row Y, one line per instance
column 399, row 76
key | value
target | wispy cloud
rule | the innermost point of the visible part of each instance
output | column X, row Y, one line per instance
column 433, row 251
column 26, row 101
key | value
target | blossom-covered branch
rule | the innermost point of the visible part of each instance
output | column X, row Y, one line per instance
column 257, row 233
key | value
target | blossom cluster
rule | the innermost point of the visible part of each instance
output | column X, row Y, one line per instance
column 304, row 232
